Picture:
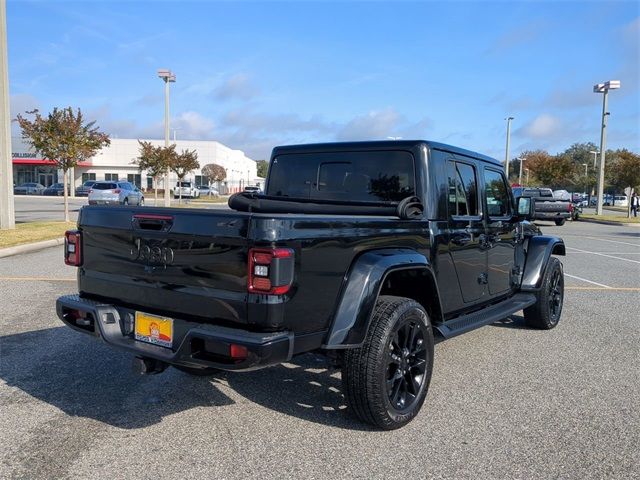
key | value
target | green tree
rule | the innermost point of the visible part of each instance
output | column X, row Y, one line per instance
column 549, row 170
column 63, row 137
column 183, row 163
column 214, row 173
column 624, row 172
column 581, row 156
column 263, row 168
column 155, row 160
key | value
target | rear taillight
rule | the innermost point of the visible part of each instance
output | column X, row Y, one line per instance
column 117, row 190
column 270, row 270
column 72, row 248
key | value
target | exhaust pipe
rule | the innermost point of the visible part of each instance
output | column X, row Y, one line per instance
column 148, row 366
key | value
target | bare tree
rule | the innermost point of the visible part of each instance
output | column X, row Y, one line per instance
column 64, row 138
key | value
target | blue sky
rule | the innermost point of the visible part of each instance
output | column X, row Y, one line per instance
column 255, row 75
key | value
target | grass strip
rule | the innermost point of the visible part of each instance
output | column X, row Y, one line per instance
column 31, row 232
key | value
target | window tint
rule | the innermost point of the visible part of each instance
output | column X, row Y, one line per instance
column 105, row 186
column 463, row 191
column 360, row 176
column 498, row 201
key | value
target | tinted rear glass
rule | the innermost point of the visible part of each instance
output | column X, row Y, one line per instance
column 104, row 186
column 361, row 176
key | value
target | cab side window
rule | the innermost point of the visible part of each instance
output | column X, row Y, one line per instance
column 497, row 193
column 463, row 192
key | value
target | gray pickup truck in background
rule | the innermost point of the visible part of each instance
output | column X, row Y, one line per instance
column 547, row 207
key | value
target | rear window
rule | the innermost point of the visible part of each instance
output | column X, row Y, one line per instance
column 184, row 184
column 105, row 186
column 360, row 176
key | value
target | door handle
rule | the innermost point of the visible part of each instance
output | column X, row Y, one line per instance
column 460, row 239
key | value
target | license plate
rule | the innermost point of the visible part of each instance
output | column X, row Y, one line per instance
column 154, row 329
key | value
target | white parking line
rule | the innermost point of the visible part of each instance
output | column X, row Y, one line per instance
column 585, row 280
column 613, row 241
column 604, row 255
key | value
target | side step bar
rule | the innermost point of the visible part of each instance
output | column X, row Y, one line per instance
column 486, row 315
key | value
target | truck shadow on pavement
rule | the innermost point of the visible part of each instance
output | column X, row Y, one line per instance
column 85, row 378
column 513, row 321
column 304, row 388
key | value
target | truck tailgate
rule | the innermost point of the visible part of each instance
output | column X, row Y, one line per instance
column 192, row 263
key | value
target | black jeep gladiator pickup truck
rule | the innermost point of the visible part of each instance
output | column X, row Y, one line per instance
column 355, row 250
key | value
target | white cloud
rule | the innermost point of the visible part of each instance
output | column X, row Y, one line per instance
column 541, row 127
column 373, row 125
column 193, row 126
column 237, row 86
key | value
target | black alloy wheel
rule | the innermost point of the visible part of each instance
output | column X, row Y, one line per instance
column 407, row 364
column 545, row 313
column 385, row 381
column 556, row 294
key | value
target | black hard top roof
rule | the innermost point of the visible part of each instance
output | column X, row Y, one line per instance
column 379, row 145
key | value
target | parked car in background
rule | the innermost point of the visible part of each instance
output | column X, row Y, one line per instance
column 115, row 193
column 621, row 201
column 562, row 195
column 252, row 189
column 57, row 189
column 207, row 190
column 547, row 207
column 29, row 189
column 84, row 189
column 185, row 190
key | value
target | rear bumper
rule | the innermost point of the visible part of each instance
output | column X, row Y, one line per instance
column 194, row 344
column 106, row 201
column 551, row 215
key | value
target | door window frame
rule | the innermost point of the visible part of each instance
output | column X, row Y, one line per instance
column 508, row 191
column 480, row 205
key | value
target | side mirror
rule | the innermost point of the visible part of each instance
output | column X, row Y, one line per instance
column 526, row 208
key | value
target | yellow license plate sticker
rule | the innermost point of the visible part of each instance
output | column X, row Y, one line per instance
column 154, row 329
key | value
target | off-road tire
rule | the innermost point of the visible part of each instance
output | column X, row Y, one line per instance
column 545, row 313
column 560, row 222
column 367, row 370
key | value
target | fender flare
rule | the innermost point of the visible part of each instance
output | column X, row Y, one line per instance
column 360, row 293
column 539, row 250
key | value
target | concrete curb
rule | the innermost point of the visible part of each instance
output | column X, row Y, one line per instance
column 30, row 247
column 608, row 222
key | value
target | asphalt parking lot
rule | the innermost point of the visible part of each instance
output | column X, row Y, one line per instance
column 31, row 208
column 505, row 401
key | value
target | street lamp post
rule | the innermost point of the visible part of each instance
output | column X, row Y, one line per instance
column 520, row 176
column 604, row 89
column 527, row 181
column 506, row 154
column 168, row 77
column 595, row 157
column 7, row 212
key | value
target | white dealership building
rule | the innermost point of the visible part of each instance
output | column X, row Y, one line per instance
column 115, row 162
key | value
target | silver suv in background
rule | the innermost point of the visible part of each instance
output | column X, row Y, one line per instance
column 115, row 193
column 187, row 189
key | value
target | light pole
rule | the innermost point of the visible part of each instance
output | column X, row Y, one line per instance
column 595, row 157
column 174, row 130
column 7, row 213
column 585, row 165
column 604, row 89
column 168, row 77
column 506, row 154
column 520, row 176
column 527, row 181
